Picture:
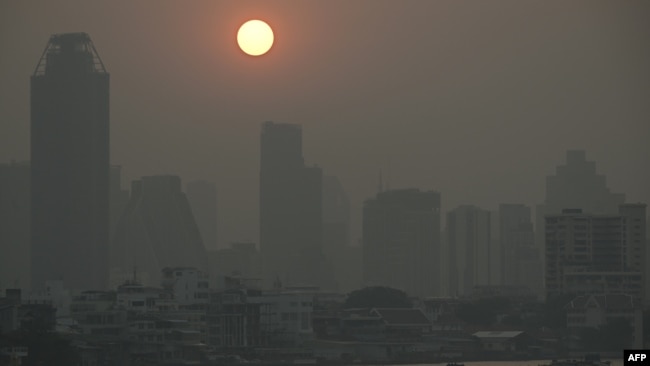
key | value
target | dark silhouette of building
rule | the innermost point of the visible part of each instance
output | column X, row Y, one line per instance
column 401, row 241
column 473, row 261
column 157, row 230
column 291, row 219
column 345, row 260
column 203, row 200
column 14, row 225
column 119, row 198
column 596, row 253
column 70, row 165
column 575, row 184
column 521, row 262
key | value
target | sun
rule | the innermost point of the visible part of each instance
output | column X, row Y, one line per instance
column 255, row 37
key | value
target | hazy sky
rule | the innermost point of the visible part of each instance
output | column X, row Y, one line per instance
column 476, row 99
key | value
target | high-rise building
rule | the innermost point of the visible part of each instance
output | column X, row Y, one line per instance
column 336, row 235
column 291, row 218
column 401, row 241
column 596, row 253
column 521, row 263
column 14, row 225
column 157, row 230
column 70, row 165
column 473, row 261
column 575, row 184
column 203, row 200
column 119, row 198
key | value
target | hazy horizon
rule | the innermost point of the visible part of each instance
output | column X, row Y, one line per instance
column 479, row 101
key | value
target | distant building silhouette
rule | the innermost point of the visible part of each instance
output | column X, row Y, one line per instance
column 70, row 165
column 119, row 198
column 576, row 184
column 596, row 253
column 14, row 225
column 336, row 235
column 203, row 200
column 473, row 261
column 291, row 221
column 157, row 230
column 401, row 241
column 521, row 262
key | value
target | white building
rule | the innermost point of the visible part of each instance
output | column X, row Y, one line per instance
column 596, row 253
column 594, row 311
column 188, row 285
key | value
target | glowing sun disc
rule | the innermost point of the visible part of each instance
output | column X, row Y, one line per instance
column 255, row 37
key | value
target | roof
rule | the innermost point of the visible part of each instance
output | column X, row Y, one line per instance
column 401, row 316
column 498, row 334
column 609, row 301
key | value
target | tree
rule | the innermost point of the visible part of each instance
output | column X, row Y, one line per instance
column 555, row 310
column 377, row 297
column 483, row 311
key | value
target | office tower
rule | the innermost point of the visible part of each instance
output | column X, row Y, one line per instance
column 119, row 198
column 291, row 220
column 70, row 165
column 14, row 225
column 157, row 230
column 203, row 200
column 336, row 235
column 472, row 258
column 576, row 184
column 401, row 241
column 596, row 253
column 521, row 263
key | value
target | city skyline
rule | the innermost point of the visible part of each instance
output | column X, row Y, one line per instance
column 481, row 112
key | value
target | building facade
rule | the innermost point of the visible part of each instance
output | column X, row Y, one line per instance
column 70, row 165
column 602, row 254
column 291, row 218
column 473, row 261
column 521, row 262
column 575, row 184
column 203, row 200
column 401, row 241
column 14, row 225
column 157, row 230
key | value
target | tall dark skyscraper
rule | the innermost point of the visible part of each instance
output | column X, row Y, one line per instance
column 401, row 241
column 291, row 219
column 70, row 165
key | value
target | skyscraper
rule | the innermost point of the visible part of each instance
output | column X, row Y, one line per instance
column 203, row 200
column 336, row 235
column 576, row 184
column 14, row 225
column 401, row 241
column 70, row 164
column 521, row 263
column 473, row 261
column 291, row 219
column 596, row 253
column 157, row 230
